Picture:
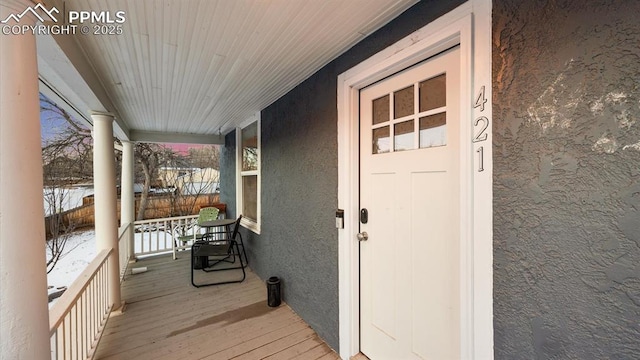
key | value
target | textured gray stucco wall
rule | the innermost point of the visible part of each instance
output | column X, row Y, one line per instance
column 298, row 240
column 566, row 179
column 228, row 174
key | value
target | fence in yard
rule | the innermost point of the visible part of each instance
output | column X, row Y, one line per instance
column 158, row 206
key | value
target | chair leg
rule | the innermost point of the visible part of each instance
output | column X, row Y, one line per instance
column 241, row 268
column 192, row 282
column 244, row 274
column 244, row 252
column 246, row 259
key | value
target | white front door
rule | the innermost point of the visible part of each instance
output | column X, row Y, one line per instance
column 409, row 186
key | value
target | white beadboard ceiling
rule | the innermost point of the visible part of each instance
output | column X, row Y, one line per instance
column 199, row 67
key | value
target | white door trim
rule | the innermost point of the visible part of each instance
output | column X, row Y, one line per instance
column 469, row 25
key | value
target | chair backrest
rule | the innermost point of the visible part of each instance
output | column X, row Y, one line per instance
column 236, row 227
column 222, row 208
column 207, row 214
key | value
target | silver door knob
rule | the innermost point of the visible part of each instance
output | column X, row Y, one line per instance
column 363, row 236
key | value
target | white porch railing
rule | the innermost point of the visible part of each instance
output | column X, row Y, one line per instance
column 124, row 248
column 161, row 236
column 77, row 319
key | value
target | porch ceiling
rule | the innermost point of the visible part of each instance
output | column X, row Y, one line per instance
column 193, row 68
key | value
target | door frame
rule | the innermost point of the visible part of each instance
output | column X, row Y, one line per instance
column 468, row 26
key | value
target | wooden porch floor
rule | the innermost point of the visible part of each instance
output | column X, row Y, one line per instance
column 167, row 318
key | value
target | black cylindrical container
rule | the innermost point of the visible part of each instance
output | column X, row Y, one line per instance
column 273, row 291
column 199, row 262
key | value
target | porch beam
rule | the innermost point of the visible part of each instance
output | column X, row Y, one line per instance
column 76, row 56
column 105, row 198
column 176, row 138
column 24, row 315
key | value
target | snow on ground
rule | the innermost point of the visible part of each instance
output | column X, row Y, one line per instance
column 79, row 251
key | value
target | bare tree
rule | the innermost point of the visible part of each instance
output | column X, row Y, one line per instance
column 189, row 186
column 204, row 157
column 67, row 159
column 59, row 230
column 190, row 177
column 150, row 157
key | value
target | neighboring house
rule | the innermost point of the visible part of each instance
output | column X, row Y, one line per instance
column 167, row 176
column 461, row 183
column 190, row 181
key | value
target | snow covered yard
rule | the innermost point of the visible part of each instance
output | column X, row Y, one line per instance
column 80, row 250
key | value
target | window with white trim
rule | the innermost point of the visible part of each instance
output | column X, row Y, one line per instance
column 248, row 173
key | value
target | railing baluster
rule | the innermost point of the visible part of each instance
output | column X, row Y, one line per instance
column 74, row 331
column 102, row 296
column 164, row 234
column 65, row 337
column 83, row 330
column 155, row 235
column 93, row 308
column 54, row 345
column 145, row 232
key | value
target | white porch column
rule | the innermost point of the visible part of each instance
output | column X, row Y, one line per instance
column 127, row 196
column 24, row 314
column 105, row 198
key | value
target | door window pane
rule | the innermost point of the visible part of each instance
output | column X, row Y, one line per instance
column 381, row 140
column 403, row 136
column 433, row 93
column 250, row 147
column 381, row 110
column 403, row 102
column 250, row 197
column 433, row 130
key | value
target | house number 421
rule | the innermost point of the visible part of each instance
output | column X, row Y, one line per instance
column 480, row 125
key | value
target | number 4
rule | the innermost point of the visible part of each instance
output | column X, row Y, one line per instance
column 480, row 99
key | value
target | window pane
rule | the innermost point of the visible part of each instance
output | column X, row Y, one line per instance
column 403, row 136
column 433, row 130
column 250, row 197
column 403, row 102
column 433, row 93
column 381, row 110
column 381, row 140
column 250, row 147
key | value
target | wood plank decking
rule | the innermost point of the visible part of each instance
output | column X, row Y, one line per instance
column 167, row 318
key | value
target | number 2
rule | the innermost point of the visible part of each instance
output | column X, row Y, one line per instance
column 481, row 136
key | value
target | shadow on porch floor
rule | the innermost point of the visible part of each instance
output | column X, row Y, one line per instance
column 167, row 318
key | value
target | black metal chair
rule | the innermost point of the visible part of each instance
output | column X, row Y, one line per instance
column 218, row 252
